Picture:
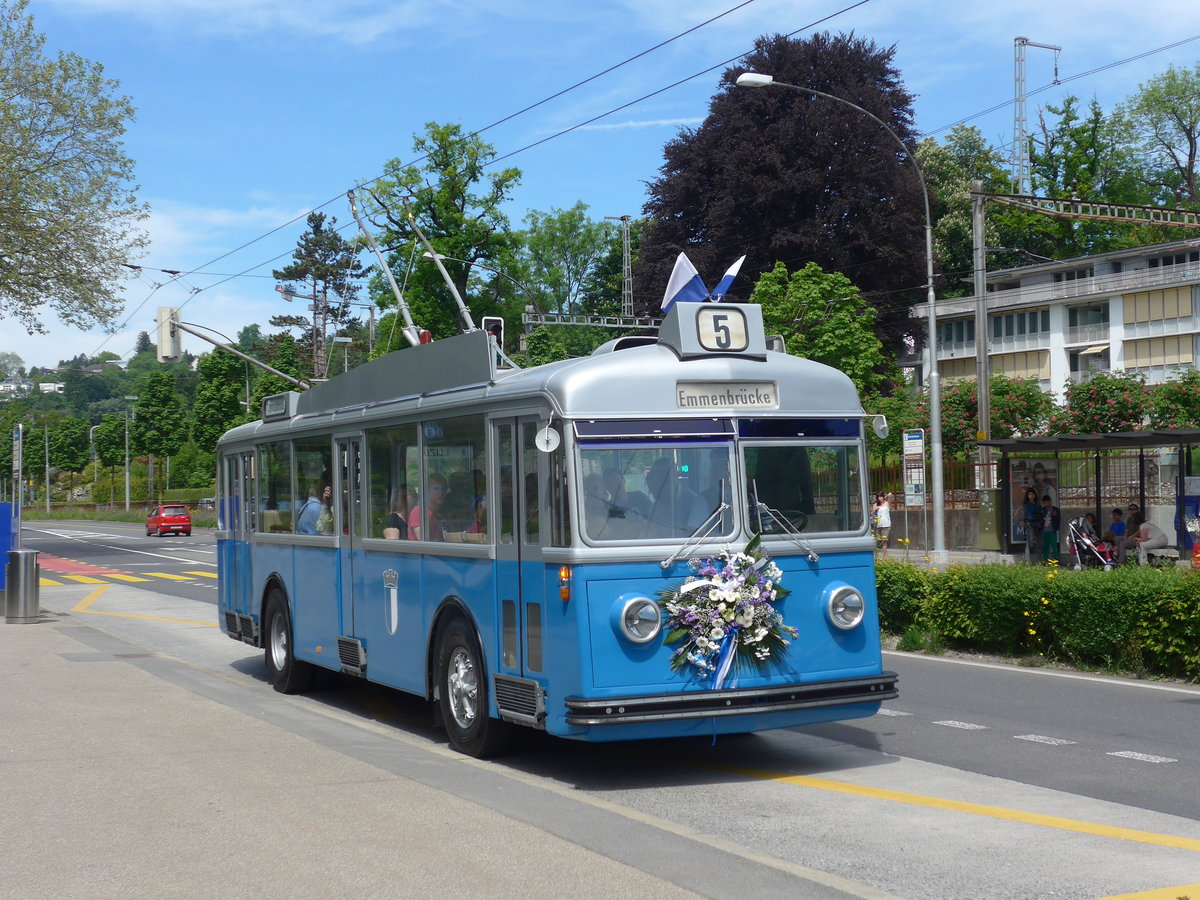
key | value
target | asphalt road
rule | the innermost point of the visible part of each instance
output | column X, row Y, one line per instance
column 979, row 781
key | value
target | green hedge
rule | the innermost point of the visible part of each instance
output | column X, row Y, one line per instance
column 1143, row 620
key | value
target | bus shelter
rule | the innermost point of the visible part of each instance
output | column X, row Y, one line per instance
column 1096, row 473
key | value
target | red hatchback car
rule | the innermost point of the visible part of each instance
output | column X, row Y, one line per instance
column 172, row 519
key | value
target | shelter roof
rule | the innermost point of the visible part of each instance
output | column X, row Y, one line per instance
column 1113, row 440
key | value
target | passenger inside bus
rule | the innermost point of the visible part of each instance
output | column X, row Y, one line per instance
column 424, row 519
column 397, row 527
column 316, row 516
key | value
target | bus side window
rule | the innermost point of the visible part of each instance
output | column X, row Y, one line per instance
column 392, row 462
column 275, row 487
column 504, row 511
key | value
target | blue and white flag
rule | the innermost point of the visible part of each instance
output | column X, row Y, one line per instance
column 685, row 284
column 722, row 288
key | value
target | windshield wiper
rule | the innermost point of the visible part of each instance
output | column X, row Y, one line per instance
column 788, row 529
column 695, row 538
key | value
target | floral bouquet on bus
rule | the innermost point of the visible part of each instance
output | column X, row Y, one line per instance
column 722, row 616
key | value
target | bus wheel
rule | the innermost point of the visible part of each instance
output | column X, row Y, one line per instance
column 288, row 675
column 463, row 695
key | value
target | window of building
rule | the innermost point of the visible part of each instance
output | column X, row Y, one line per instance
column 1073, row 275
column 1155, row 306
column 1175, row 259
column 959, row 331
column 1087, row 314
column 1164, row 351
column 1018, row 324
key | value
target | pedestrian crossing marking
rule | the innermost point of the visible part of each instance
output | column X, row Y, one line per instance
column 122, row 577
column 168, row 576
column 202, row 574
column 47, row 582
column 85, row 579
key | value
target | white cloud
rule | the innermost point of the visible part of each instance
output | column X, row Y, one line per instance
column 644, row 123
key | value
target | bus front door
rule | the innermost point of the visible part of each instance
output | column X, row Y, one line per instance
column 520, row 570
column 348, row 527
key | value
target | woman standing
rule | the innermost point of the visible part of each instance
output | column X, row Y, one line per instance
column 881, row 516
column 1033, row 519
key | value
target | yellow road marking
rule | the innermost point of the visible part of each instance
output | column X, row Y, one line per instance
column 84, row 579
column 47, row 582
column 202, row 574
column 975, row 809
column 1172, row 893
column 83, row 606
column 169, row 575
column 122, row 577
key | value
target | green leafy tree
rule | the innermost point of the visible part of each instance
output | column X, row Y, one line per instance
column 784, row 176
column 286, row 359
column 821, row 316
column 561, row 250
column 1176, row 403
column 160, row 428
column 10, row 364
column 1109, row 401
column 325, row 265
column 459, row 205
column 949, row 169
column 1018, row 406
column 1164, row 116
column 68, row 214
column 220, row 397
column 110, row 449
column 603, row 289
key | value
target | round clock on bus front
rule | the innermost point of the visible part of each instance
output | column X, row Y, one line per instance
column 722, row 328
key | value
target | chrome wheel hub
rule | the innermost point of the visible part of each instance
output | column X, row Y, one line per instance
column 462, row 688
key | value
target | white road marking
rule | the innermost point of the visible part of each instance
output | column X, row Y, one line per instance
column 1142, row 757
column 1049, row 673
column 892, row 712
column 967, row 726
column 1042, row 739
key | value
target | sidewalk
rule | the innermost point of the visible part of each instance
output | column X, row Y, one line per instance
column 126, row 773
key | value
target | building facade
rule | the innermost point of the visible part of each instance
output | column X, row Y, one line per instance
column 1135, row 310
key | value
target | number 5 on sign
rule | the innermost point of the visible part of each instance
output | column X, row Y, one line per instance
column 722, row 328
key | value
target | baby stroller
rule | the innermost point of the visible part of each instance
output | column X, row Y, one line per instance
column 1088, row 551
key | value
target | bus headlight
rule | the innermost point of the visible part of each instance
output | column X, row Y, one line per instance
column 640, row 619
column 846, row 607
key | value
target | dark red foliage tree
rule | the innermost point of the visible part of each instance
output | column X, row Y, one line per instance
column 784, row 176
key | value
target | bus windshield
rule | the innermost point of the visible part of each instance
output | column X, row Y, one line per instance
column 813, row 488
column 634, row 491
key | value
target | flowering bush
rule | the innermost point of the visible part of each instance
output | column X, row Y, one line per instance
column 723, row 615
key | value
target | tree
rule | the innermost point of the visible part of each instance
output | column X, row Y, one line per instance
column 1164, row 116
column 459, row 207
column 160, row 428
column 327, row 266
column 821, row 316
column 110, row 446
column 68, row 213
column 562, row 248
column 1109, row 401
column 1176, row 403
column 219, row 398
column 949, row 170
column 10, row 364
column 785, row 176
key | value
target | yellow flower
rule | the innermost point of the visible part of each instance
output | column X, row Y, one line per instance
column 1025, row 613
column 1031, row 631
column 1045, row 602
column 1050, row 576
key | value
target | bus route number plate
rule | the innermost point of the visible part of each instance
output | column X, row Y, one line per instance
column 722, row 328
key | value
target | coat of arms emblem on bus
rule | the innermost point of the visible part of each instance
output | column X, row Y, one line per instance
column 391, row 580
column 722, row 616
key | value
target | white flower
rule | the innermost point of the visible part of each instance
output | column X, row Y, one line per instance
column 717, row 633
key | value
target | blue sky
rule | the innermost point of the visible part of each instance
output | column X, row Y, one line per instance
column 252, row 112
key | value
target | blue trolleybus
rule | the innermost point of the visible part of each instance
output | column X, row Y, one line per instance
column 665, row 538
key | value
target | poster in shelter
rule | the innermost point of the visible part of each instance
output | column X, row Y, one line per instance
column 1038, row 475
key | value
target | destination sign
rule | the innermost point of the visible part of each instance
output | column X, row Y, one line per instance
column 727, row 395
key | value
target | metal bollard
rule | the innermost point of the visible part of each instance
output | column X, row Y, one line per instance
column 21, row 597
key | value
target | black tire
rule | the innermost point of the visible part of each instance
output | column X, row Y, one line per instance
column 463, row 694
column 288, row 675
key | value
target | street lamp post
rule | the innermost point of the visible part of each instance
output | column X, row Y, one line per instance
column 754, row 79
column 345, row 342
column 128, row 400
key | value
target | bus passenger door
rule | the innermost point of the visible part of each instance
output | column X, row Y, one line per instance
column 520, row 571
column 348, row 527
column 237, row 523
